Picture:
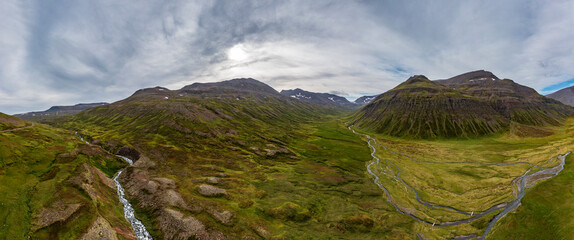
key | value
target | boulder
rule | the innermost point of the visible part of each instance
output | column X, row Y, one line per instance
column 211, row 191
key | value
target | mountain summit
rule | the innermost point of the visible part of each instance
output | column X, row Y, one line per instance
column 475, row 76
column 237, row 84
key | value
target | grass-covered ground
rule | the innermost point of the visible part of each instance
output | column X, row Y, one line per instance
column 37, row 165
column 462, row 174
column 330, row 187
column 547, row 210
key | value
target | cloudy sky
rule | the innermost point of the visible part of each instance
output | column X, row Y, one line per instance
column 62, row 52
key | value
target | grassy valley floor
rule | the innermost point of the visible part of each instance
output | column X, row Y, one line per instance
column 547, row 210
column 474, row 175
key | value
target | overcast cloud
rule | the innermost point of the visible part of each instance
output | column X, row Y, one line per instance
column 62, row 52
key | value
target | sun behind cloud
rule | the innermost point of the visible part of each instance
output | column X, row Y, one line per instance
column 237, row 53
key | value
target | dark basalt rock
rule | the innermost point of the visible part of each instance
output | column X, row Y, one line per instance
column 129, row 152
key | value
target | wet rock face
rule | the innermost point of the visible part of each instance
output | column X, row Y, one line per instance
column 129, row 152
column 211, row 191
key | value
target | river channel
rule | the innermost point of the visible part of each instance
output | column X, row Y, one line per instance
column 506, row 206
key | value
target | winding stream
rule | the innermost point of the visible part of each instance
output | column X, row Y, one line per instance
column 138, row 227
column 519, row 181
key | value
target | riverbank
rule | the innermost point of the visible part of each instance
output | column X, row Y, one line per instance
column 388, row 174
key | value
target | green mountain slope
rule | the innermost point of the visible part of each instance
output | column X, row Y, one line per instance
column 469, row 105
column 50, row 189
column 8, row 122
column 516, row 102
column 420, row 108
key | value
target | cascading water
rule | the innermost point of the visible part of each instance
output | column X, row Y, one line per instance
column 139, row 229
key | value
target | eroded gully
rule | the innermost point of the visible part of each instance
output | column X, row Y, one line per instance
column 139, row 229
column 507, row 206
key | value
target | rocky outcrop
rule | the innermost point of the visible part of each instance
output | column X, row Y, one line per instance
column 100, row 230
column 212, row 180
column 211, row 191
column 160, row 196
column 225, row 217
column 176, row 225
column 59, row 211
column 152, row 193
column 87, row 176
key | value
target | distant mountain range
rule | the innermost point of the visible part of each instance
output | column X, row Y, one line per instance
column 58, row 111
column 468, row 105
column 565, row 95
column 325, row 99
column 365, row 99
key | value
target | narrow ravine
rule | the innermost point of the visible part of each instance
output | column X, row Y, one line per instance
column 139, row 229
column 519, row 181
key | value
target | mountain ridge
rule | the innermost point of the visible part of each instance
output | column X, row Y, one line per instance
column 326, row 99
column 57, row 111
column 473, row 104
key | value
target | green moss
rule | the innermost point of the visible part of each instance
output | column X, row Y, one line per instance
column 290, row 211
column 32, row 178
